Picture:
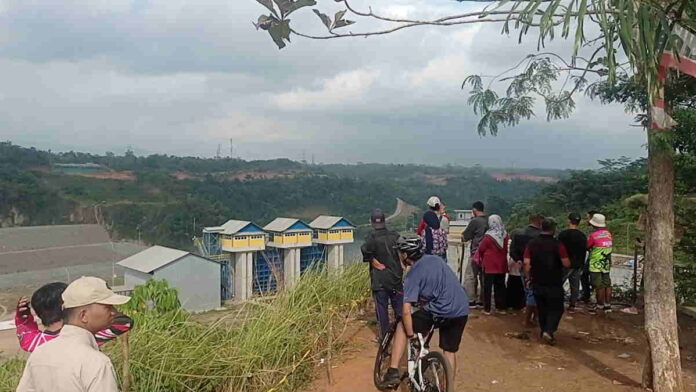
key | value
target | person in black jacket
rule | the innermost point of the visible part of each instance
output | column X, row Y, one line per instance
column 519, row 240
column 385, row 270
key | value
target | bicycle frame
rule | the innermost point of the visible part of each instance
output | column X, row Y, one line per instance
column 415, row 356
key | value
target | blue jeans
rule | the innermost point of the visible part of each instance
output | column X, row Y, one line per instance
column 382, row 299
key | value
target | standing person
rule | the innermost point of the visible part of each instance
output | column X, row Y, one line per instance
column 430, row 283
column 434, row 237
column 444, row 218
column 575, row 243
column 600, row 245
column 474, row 232
column 520, row 239
column 585, row 278
column 544, row 260
column 72, row 362
column 492, row 255
column 514, row 287
column 385, row 270
column 48, row 305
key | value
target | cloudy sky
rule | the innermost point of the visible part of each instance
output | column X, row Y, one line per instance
column 183, row 76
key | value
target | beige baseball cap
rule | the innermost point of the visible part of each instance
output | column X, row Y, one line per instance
column 90, row 290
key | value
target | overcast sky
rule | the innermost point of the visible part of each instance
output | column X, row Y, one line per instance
column 182, row 76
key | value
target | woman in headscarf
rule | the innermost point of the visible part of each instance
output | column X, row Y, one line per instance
column 492, row 255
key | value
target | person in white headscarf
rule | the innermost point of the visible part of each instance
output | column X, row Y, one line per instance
column 492, row 256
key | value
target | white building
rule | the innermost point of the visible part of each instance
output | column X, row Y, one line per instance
column 195, row 278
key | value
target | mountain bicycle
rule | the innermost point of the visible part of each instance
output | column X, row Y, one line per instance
column 428, row 371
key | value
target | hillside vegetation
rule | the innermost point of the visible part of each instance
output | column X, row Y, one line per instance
column 169, row 199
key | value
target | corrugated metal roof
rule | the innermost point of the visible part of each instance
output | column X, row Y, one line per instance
column 283, row 224
column 152, row 258
column 40, row 237
column 324, row 222
column 230, row 227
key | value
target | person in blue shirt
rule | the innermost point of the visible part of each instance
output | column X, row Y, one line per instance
column 442, row 302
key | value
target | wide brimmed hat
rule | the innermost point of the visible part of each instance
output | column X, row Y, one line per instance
column 598, row 220
column 90, row 290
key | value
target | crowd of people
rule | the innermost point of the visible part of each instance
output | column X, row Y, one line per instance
column 525, row 269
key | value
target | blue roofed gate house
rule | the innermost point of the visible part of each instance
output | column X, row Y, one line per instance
column 195, row 278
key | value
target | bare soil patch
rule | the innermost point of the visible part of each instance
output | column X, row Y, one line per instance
column 594, row 353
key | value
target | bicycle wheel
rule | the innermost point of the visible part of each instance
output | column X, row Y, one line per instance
column 383, row 358
column 437, row 373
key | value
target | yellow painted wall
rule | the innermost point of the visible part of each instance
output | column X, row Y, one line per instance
column 304, row 237
column 226, row 242
column 334, row 235
column 323, row 235
column 241, row 241
column 256, row 240
column 347, row 234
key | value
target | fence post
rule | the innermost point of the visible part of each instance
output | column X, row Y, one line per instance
column 125, row 355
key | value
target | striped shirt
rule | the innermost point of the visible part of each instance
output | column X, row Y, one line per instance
column 30, row 336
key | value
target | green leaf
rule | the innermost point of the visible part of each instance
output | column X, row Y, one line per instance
column 268, row 4
column 342, row 23
column 265, row 22
column 280, row 32
column 289, row 6
column 324, row 18
column 339, row 15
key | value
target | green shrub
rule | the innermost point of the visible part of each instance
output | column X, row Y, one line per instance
column 270, row 347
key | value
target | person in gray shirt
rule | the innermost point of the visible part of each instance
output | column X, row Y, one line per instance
column 474, row 232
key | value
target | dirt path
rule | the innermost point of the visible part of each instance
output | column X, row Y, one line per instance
column 584, row 360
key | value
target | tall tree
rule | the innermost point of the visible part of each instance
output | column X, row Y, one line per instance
column 649, row 34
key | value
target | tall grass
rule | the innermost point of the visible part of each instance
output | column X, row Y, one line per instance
column 270, row 346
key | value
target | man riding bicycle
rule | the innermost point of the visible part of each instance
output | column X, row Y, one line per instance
column 442, row 301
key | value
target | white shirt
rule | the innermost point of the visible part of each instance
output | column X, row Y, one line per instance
column 71, row 362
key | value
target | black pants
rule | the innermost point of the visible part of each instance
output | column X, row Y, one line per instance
column 382, row 299
column 586, row 283
column 514, row 292
column 495, row 283
column 549, row 301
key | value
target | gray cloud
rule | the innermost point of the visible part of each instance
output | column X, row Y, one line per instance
column 179, row 77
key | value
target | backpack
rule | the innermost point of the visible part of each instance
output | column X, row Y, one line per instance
column 439, row 241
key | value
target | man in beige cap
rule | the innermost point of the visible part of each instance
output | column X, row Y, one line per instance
column 72, row 362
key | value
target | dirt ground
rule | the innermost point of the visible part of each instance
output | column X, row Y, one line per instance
column 585, row 359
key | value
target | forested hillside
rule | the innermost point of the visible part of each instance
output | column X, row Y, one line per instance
column 167, row 200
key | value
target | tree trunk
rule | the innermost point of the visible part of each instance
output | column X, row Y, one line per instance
column 660, row 303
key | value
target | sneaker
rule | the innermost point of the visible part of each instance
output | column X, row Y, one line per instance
column 487, row 312
column 592, row 309
column 548, row 338
column 391, row 379
column 571, row 309
column 473, row 305
column 607, row 308
column 500, row 312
